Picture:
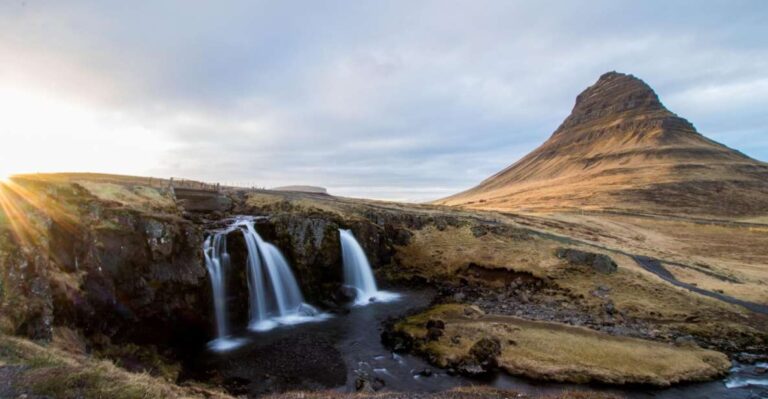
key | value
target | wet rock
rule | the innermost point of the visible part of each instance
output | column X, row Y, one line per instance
column 470, row 367
column 427, row 372
column 364, row 385
column 345, row 294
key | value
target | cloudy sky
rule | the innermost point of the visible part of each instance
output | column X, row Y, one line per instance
column 405, row 100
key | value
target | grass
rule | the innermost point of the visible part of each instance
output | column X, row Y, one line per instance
column 63, row 375
column 553, row 351
column 441, row 253
column 132, row 196
column 469, row 392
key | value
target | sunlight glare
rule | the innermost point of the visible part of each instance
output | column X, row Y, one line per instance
column 42, row 133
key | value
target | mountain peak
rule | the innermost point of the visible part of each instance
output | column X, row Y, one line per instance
column 621, row 148
column 613, row 95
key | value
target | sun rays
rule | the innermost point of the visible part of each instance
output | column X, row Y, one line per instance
column 28, row 211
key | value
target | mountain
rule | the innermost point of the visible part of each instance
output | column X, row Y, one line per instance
column 622, row 149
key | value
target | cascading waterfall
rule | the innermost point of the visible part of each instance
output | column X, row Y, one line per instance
column 274, row 295
column 217, row 262
column 357, row 272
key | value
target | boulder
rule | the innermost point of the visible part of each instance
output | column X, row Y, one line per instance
column 599, row 262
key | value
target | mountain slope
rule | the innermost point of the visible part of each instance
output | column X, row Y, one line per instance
column 620, row 148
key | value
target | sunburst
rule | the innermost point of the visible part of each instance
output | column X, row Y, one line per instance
column 24, row 210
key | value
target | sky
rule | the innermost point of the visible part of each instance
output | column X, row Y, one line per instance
column 397, row 100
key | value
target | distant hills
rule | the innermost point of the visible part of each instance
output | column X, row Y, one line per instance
column 302, row 189
column 621, row 149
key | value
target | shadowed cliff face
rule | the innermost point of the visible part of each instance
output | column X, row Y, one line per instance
column 111, row 272
column 619, row 148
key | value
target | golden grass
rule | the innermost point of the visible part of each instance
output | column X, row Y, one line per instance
column 132, row 196
column 469, row 392
column 559, row 352
column 732, row 251
column 435, row 253
column 63, row 375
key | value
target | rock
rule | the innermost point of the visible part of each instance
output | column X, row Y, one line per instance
column 438, row 324
column 485, row 352
column 378, row 384
column 426, row 372
column 686, row 341
column 473, row 312
column 609, row 307
column 434, row 334
column 599, row 262
column 479, row 230
column 761, row 370
column 362, row 384
column 346, row 294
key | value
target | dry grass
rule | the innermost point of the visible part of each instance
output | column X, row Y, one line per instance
column 731, row 251
column 63, row 375
column 470, row 392
column 132, row 196
column 441, row 253
column 554, row 351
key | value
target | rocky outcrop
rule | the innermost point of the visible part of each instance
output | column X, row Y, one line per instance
column 599, row 262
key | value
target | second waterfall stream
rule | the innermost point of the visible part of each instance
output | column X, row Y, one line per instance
column 358, row 273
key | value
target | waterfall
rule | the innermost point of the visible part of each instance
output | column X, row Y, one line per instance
column 274, row 296
column 217, row 262
column 357, row 271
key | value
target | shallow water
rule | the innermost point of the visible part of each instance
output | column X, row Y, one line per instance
column 331, row 354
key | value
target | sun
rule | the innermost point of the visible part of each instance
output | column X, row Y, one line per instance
column 5, row 175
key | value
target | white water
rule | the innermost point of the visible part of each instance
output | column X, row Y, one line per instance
column 358, row 274
column 217, row 262
column 274, row 296
column 745, row 376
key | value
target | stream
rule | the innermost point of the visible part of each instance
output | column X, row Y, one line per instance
column 332, row 354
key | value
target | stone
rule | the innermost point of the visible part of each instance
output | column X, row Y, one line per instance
column 485, row 351
column 438, row 324
column 599, row 262
column 434, row 334
column 473, row 312
column 363, row 385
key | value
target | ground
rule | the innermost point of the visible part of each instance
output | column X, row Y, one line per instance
column 505, row 264
column 554, row 351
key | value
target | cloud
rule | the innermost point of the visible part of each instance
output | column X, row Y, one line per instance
column 393, row 100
